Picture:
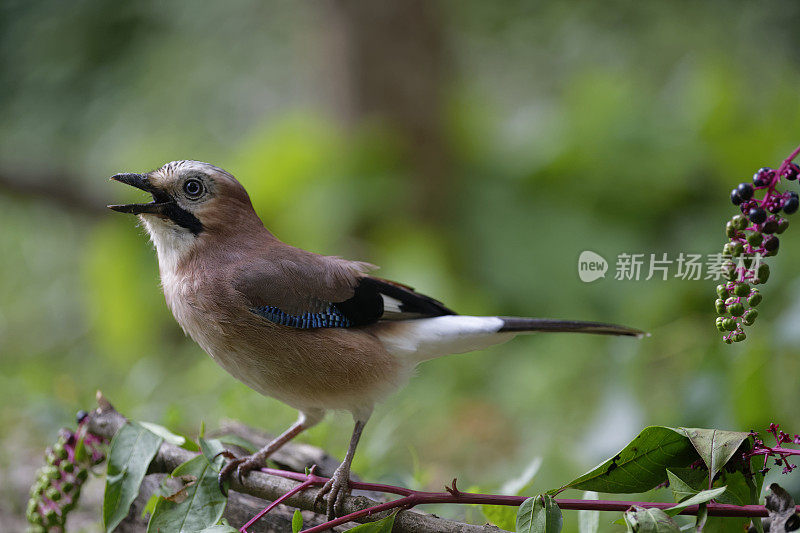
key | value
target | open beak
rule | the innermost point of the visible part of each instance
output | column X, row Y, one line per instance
column 141, row 181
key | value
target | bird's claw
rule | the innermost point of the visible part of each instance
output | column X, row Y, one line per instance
column 334, row 492
column 242, row 466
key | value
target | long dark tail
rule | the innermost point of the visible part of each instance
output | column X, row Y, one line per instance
column 521, row 325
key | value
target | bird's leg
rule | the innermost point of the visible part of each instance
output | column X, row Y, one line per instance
column 243, row 465
column 338, row 486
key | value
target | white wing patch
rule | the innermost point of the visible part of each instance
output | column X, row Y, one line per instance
column 391, row 305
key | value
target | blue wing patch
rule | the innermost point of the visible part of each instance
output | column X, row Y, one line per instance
column 330, row 318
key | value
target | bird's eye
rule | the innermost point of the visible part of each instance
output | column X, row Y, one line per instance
column 193, row 188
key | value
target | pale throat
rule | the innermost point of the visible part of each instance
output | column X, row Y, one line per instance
column 173, row 243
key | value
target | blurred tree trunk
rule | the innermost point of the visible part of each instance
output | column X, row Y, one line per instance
column 388, row 61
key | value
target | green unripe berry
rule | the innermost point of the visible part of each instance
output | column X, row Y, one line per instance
column 719, row 305
column 33, row 506
column 763, row 273
column 67, row 507
column 51, row 518
column 737, row 249
column 741, row 289
column 730, row 230
column 755, row 238
column 59, row 451
column 82, row 474
column 754, row 299
column 739, row 337
column 749, row 317
column 736, row 309
column 67, row 466
column 728, row 340
column 35, row 518
column 739, row 222
column 67, row 487
column 730, row 324
column 722, row 291
column 783, row 223
column 51, row 473
column 53, row 494
column 719, row 323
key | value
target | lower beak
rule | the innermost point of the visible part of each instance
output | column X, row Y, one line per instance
column 141, row 181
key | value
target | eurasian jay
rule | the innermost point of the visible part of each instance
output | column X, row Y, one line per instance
column 315, row 332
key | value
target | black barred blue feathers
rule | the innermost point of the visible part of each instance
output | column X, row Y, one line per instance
column 330, row 318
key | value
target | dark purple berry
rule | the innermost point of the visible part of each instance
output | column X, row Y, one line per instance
column 763, row 177
column 745, row 191
column 790, row 206
column 775, row 206
column 791, row 172
column 770, row 226
column 771, row 243
column 757, row 215
column 736, row 198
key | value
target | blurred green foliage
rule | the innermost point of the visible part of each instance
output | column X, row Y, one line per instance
column 611, row 127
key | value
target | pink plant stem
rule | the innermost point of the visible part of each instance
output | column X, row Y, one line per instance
column 256, row 518
column 782, row 451
column 411, row 498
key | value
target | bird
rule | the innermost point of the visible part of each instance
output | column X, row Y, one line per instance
column 318, row 333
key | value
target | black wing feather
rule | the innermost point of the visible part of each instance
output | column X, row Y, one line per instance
column 366, row 305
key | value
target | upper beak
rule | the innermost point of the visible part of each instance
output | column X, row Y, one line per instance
column 141, row 181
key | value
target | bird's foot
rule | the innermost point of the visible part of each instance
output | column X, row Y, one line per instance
column 335, row 491
column 242, row 466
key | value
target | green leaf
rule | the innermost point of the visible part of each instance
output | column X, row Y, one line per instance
column 297, row 521
column 211, row 450
column 695, row 481
column 642, row 520
column 132, row 449
column 641, row 465
column 716, row 447
column 702, row 517
column 200, row 504
column 719, row 524
column 380, row 526
column 589, row 521
column 220, row 529
column 241, row 442
column 164, row 433
column 503, row 516
column 701, row 497
column 150, row 506
column 738, row 492
column 539, row 515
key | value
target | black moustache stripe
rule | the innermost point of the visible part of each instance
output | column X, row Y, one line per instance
column 182, row 217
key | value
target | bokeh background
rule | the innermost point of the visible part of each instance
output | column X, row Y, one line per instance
column 472, row 149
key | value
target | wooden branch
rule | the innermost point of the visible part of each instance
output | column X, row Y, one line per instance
column 64, row 191
column 106, row 421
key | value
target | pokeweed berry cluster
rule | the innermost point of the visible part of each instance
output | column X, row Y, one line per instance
column 58, row 486
column 752, row 235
